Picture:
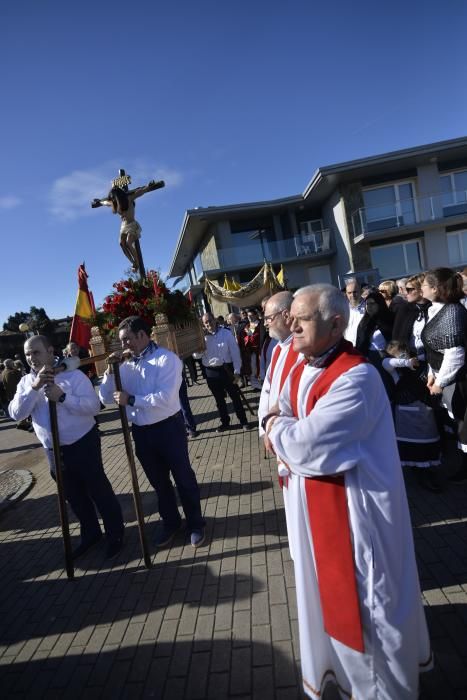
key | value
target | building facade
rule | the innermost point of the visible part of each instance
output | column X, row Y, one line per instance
column 386, row 216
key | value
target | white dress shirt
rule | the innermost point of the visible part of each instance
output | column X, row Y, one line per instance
column 154, row 381
column 75, row 415
column 355, row 316
column 221, row 348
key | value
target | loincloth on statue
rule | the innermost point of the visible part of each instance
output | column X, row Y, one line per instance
column 130, row 228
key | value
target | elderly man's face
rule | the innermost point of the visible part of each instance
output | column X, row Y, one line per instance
column 311, row 334
column 353, row 293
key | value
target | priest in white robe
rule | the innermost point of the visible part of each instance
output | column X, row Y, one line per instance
column 361, row 620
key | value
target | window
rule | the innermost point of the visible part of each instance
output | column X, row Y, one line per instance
column 398, row 259
column 197, row 268
column 457, row 247
column 311, row 235
column 454, row 193
column 389, row 207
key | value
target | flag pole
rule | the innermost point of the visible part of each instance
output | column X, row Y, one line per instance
column 132, row 466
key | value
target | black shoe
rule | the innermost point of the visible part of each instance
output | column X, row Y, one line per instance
column 164, row 535
column 113, row 548
column 247, row 426
column 459, row 477
column 220, row 428
column 192, row 433
column 85, row 547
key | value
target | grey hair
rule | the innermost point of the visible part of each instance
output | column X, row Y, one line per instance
column 282, row 301
column 331, row 301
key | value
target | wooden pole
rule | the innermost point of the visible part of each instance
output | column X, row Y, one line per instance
column 70, row 572
column 139, row 256
column 132, row 466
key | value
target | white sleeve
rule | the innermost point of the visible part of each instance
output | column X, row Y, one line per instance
column 328, row 440
column 264, row 399
column 24, row 400
column 107, row 388
column 234, row 353
column 453, row 360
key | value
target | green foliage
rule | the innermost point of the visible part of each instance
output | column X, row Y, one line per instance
column 37, row 320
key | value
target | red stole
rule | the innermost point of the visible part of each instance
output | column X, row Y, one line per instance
column 290, row 360
column 329, row 519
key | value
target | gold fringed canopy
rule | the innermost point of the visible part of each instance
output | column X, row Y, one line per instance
column 250, row 294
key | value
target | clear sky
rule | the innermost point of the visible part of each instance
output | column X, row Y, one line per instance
column 228, row 101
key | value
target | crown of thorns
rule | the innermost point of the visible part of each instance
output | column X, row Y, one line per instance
column 122, row 181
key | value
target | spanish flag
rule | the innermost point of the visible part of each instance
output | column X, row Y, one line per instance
column 80, row 329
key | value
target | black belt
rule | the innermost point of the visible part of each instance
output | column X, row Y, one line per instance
column 160, row 422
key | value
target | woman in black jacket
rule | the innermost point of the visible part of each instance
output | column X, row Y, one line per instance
column 374, row 332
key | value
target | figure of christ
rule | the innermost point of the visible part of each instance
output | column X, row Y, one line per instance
column 122, row 202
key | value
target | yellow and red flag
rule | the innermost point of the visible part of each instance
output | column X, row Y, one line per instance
column 80, row 328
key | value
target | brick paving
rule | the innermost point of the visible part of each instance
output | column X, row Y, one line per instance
column 220, row 622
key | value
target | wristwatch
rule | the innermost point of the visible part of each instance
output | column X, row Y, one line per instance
column 62, row 398
column 131, row 400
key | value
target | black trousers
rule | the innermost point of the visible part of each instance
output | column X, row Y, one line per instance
column 162, row 449
column 87, row 487
column 219, row 381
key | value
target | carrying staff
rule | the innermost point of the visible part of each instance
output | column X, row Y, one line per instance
column 85, row 482
column 151, row 381
column 221, row 355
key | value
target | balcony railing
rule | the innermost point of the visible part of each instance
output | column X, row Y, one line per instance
column 315, row 243
column 407, row 212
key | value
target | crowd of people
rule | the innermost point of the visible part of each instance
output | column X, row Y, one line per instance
column 354, row 383
column 413, row 331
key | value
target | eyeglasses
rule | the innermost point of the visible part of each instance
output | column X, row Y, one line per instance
column 410, row 289
column 270, row 319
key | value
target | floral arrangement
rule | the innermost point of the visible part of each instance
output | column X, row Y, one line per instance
column 145, row 298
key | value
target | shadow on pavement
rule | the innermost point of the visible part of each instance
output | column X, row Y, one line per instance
column 203, row 668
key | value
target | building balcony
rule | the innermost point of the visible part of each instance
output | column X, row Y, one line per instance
column 406, row 215
column 317, row 243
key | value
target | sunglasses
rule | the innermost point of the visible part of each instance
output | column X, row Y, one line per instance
column 410, row 289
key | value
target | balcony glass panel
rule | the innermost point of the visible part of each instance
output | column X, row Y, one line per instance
column 389, row 207
column 274, row 251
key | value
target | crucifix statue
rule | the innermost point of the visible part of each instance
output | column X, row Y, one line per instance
column 122, row 201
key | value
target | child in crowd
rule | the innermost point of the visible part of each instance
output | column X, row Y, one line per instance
column 417, row 434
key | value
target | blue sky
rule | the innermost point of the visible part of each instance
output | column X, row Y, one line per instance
column 227, row 101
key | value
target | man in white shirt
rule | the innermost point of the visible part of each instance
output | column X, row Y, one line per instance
column 151, row 382
column 221, row 361
column 361, row 620
column 353, row 293
column 86, row 484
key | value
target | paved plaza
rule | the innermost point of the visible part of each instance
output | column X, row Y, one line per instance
column 219, row 622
